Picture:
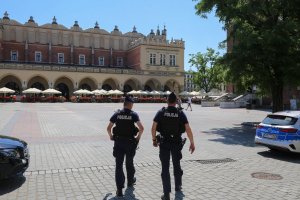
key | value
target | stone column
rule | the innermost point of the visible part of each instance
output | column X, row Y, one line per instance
column 24, row 85
column 76, row 85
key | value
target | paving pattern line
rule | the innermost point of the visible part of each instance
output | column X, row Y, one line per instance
column 112, row 167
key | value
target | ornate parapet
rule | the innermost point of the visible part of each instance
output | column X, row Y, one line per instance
column 159, row 41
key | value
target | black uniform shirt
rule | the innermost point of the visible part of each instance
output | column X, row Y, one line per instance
column 134, row 116
column 182, row 116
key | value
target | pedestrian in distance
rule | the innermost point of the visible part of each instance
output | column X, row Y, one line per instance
column 126, row 136
column 179, row 103
column 171, row 123
column 189, row 102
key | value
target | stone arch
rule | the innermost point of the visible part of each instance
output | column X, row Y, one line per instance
column 65, row 85
column 131, row 84
column 172, row 85
column 11, row 82
column 87, row 83
column 38, row 82
column 110, row 84
column 152, row 84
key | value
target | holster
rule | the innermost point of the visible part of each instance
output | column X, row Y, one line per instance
column 159, row 139
column 182, row 143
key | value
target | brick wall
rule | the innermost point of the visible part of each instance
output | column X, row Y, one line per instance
column 85, row 51
column 116, row 54
column 101, row 53
column 32, row 48
column 133, row 57
column 61, row 49
column 1, row 51
column 9, row 46
column 90, row 59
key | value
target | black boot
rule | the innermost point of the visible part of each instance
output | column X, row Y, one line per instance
column 131, row 183
column 165, row 196
column 178, row 188
column 119, row 193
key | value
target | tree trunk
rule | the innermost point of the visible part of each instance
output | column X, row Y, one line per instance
column 277, row 97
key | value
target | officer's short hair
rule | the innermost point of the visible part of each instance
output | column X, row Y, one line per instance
column 128, row 100
column 172, row 98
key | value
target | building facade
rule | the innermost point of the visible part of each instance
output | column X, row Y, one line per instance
column 53, row 56
column 189, row 85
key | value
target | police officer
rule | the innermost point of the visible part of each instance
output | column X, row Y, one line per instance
column 126, row 137
column 171, row 123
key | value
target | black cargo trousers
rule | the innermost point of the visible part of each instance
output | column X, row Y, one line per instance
column 171, row 147
column 124, row 147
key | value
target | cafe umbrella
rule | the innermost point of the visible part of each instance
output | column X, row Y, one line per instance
column 5, row 91
column 32, row 91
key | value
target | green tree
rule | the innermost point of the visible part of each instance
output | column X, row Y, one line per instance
column 264, row 38
column 208, row 74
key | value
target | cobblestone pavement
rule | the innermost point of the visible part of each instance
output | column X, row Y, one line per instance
column 71, row 155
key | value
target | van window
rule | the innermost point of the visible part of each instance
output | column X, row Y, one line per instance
column 279, row 120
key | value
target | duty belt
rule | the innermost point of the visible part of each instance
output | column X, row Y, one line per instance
column 171, row 136
column 118, row 137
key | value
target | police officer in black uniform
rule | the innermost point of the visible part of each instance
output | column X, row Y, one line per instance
column 171, row 123
column 126, row 137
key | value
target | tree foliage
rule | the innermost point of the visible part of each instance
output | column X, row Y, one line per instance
column 208, row 74
column 264, row 38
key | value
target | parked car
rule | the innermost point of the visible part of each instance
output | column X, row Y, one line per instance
column 14, row 157
column 280, row 131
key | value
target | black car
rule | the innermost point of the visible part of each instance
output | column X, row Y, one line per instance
column 14, row 157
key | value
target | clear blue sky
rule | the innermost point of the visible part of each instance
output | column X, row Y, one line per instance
column 178, row 16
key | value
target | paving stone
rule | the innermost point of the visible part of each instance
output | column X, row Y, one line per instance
column 71, row 155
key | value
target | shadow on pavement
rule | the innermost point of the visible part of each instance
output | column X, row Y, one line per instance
column 128, row 195
column 9, row 185
column 239, row 135
column 281, row 155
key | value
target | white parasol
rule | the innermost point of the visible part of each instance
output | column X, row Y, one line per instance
column 167, row 92
column 132, row 92
column 155, row 93
column 82, row 91
column 184, row 93
column 195, row 93
column 115, row 92
column 6, row 90
column 99, row 92
column 51, row 91
column 32, row 91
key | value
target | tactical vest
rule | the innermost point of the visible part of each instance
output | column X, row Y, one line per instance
column 169, row 122
column 125, row 127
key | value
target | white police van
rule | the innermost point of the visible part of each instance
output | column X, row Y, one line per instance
column 280, row 130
